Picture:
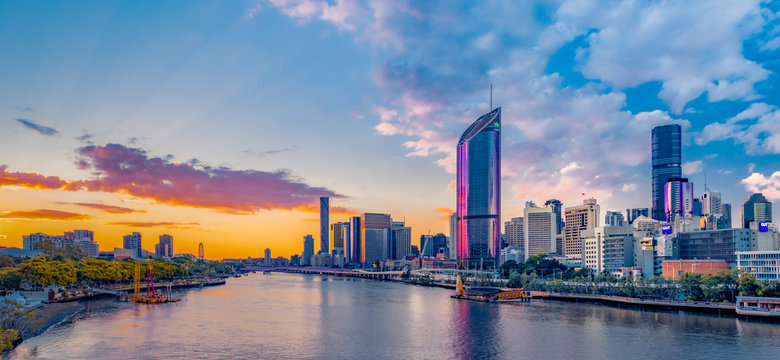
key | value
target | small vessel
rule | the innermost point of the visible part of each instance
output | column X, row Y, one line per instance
column 152, row 296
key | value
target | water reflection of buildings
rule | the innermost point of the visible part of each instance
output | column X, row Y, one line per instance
column 475, row 331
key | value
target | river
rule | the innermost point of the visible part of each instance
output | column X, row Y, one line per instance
column 291, row 316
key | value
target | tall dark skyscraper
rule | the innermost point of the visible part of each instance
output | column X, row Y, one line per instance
column 356, row 236
column 667, row 160
column 324, row 224
column 556, row 205
column 479, row 192
column 308, row 250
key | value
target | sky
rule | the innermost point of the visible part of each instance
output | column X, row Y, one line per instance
column 223, row 122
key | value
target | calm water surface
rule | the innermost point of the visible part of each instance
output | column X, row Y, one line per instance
column 289, row 316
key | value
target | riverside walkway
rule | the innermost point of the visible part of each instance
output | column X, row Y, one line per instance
column 356, row 273
column 644, row 304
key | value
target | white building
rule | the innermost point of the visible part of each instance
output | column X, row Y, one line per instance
column 539, row 230
column 764, row 265
column 608, row 249
column 515, row 236
column 510, row 253
column 577, row 219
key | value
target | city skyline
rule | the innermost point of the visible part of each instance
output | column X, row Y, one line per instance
column 364, row 104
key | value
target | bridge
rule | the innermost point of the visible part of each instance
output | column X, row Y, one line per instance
column 356, row 273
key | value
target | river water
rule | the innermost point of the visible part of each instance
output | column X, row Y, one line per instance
column 290, row 316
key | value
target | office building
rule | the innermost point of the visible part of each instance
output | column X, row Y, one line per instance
column 133, row 241
column 714, row 244
column 726, row 216
column 515, row 236
column 453, row 236
column 674, row 269
column 267, row 261
column 764, row 265
column 678, row 199
column 339, row 232
column 666, row 162
column 308, row 250
column 579, row 218
column 614, row 218
column 632, row 214
column 511, row 253
column 539, row 230
column 356, row 236
column 324, row 224
column 711, row 203
column 165, row 247
column 402, row 237
column 608, row 249
column 756, row 209
column 337, row 257
column 556, row 205
column 697, row 207
column 478, row 201
column 376, row 237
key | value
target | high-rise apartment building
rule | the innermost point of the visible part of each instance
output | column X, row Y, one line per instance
column 678, row 199
column 267, row 257
column 667, row 160
column 539, row 230
column 133, row 241
column 579, row 218
column 478, row 199
column 324, row 224
column 608, row 248
column 726, row 208
column 556, row 205
column 340, row 233
column 756, row 209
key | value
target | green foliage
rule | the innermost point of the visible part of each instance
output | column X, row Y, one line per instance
column 42, row 272
column 748, row 285
column 691, row 284
column 515, row 281
column 10, row 279
column 7, row 261
column 769, row 289
column 7, row 339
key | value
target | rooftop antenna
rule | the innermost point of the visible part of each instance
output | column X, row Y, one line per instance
column 705, row 181
column 491, row 96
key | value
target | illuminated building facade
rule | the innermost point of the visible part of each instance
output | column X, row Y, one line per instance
column 479, row 193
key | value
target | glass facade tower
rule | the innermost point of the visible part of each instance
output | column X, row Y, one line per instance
column 667, row 160
column 479, row 193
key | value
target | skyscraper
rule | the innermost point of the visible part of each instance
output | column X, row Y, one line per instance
column 539, row 230
column 165, row 247
column 678, row 199
column 613, row 218
column 579, row 218
column 667, row 160
column 711, row 203
column 756, row 208
column 453, row 235
column 403, row 241
column 133, row 241
column 478, row 202
column 308, row 250
column 556, row 205
column 356, row 235
column 632, row 214
column 340, row 232
column 726, row 208
column 376, row 237
column 324, row 221
column 267, row 257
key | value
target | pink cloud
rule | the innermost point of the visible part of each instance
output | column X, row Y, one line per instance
column 124, row 170
column 43, row 214
column 31, row 180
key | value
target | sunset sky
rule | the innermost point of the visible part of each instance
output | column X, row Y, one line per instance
column 223, row 122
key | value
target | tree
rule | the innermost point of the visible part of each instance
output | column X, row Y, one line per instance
column 748, row 285
column 7, row 261
column 691, row 284
column 508, row 267
column 42, row 272
column 515, row 280
column 47, row 247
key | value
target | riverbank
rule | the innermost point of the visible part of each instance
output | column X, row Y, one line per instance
column 49, row 314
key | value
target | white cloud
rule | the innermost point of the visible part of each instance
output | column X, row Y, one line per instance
column 692, row 47
column 768, row 185
column 435, row 79
column 691, row 167
column 757, row 127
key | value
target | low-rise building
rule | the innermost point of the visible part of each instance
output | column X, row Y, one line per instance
column 764, row 265
column 673, row 269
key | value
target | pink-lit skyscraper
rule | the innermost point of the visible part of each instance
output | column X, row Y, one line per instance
column 478, row 205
